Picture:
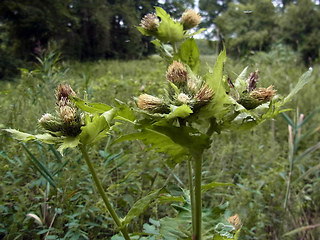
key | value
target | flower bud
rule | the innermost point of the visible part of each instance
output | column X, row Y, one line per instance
column 263, row 94
column 252, row 81
column 63, row 92
column 205, row 94
column 150, row 22
column 257, row 97
column 67, row 113
column 151, row 104
column 50, row 123
column 235, row 221
column 190, row 19
column 183, row 98
column 177, row 73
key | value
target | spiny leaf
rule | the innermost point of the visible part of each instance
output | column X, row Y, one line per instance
column 140, row 206
column 94, row 108
column 94, row 130
column 68, row 142
column 21, row 136
column 303, row 80
column 211, row 185
column 169, row 30
column 124, row 112
column 182, row 111
column 189, row 54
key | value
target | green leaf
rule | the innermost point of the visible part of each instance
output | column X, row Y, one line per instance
column 159, row 141
column 303, row 80
column 21, row 136
column 182, row 111
column 169, row 30
column 124, row 112
column 95, row 129
column 94, row 108
column 189, row 54
column 241, row 82
column 219, row 106
column 208, row 186
column 68, row 142
column 140, row 206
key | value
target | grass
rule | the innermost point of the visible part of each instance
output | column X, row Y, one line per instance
column 256, row 162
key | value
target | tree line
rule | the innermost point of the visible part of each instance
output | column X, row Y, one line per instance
column 103, row 29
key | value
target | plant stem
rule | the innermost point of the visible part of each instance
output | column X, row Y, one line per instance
column 191, row 194
column 197, row 193
column 102, row 193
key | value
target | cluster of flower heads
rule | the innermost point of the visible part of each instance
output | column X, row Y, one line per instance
column 67, row 120
column 189, row 19
column 191, row 91
column 252, row 96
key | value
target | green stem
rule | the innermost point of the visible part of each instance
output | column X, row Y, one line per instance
column 102, row 193
column 191, row 195
column 198, row 199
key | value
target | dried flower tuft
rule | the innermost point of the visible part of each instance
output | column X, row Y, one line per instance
column 177, row 73
column 150, row 22
column 252, row 81
column 205, row 94
column 67, row 113
column 190, row 19
column 263, row 94
column 235, row 221
column 150, row 103
column 63, row 92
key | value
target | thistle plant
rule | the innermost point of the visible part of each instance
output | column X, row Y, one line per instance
column 182, row 121
column 70, row 127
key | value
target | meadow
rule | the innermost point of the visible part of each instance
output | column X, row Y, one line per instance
column 256, row 162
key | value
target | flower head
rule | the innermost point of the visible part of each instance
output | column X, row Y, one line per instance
column 177, row 73
column 190, row 19
column 205, row 94
column 263, row 94
column 63, row 92
column 183, row 98
column 150, row 22
column 151, row 103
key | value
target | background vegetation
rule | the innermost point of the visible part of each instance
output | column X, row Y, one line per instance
column 279, row 41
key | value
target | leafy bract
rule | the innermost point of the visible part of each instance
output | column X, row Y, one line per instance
column 182, row 111
column 169, row 30
column 96, row 128
column 219, row 105
column 177, row 142
column 64, row 142
column 189, row 54
column 93, row 108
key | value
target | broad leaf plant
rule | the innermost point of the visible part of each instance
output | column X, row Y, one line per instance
column 179, row 123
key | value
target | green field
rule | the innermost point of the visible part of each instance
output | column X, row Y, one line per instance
column 256, row 162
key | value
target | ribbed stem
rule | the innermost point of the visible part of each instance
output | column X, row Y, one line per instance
column 102, row 193
column 198, row 198
column 191, row 194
